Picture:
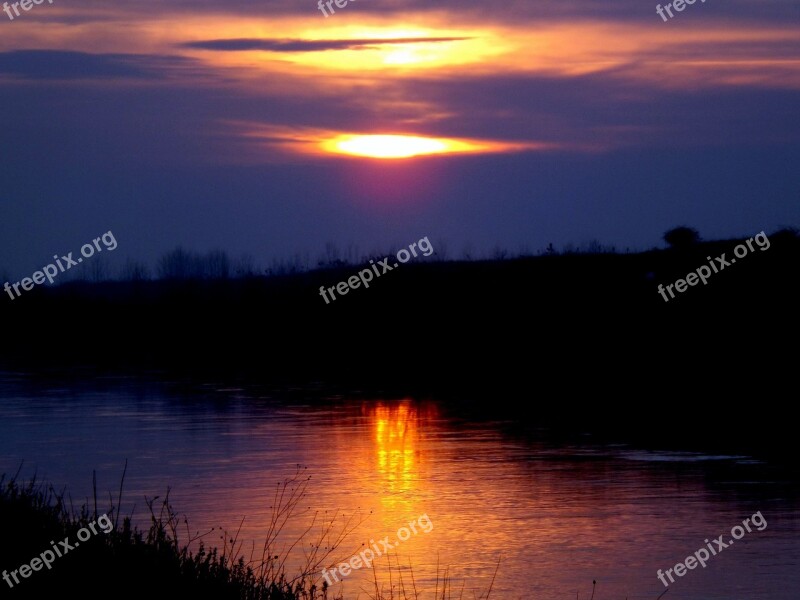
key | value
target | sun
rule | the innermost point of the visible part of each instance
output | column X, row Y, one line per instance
column 391, row 146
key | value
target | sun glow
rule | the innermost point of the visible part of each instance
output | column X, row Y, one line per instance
column 270, row 142
column 393, row 146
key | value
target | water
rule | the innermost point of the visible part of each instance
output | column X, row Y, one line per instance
column 556, row 515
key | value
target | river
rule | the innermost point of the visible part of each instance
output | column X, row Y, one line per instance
column 548, row 515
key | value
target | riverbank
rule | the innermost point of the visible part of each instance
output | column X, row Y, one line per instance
column 575, row 341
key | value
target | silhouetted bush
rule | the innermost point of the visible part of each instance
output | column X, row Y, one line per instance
column 681, row 237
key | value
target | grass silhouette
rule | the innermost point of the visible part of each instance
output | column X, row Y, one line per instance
column 160, row 561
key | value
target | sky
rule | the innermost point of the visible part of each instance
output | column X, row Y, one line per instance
column 269, row 129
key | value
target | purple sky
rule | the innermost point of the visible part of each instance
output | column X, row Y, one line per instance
column 205, row 125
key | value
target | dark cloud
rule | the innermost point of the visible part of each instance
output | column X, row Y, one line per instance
column 62, row 64
column 271, row 45
column 514, row 12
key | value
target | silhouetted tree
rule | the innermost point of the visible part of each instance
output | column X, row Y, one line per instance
column 681, row 237
column 98, row 270
column 499, row 253
column 134, row 271
column 333, row 257
column 218, row 265
column 178, row 264
column 596, row 247
column 245, row 266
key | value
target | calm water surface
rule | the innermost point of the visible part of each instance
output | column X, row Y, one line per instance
column 556, row 515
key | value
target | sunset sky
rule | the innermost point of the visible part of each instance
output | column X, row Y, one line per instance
column 240, row 125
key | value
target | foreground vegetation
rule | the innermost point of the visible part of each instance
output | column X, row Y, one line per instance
column 157, row 562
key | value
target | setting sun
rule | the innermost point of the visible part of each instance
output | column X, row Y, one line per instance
column 389, row 146
column 395, row 146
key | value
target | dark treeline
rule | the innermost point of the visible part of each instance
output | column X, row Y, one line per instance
column 184, row 264
column 579, row 338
